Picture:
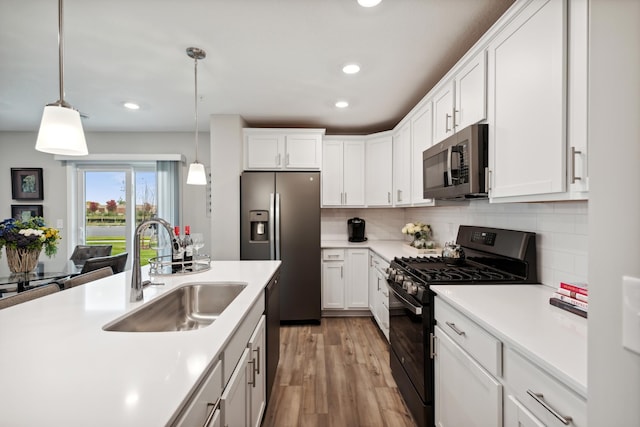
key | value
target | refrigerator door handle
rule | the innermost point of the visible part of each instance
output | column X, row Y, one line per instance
column 272, row 245
column 277, row 226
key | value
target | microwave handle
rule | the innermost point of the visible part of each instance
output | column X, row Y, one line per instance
column 449, row 177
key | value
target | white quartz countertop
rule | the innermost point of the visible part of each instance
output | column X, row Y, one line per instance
column 387, row 249
column 58, row 367
column 522, row 317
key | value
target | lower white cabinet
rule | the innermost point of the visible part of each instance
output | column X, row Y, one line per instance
column 465, row 393
column 235, row 401
column 536, row 396
column 234, row 392
column 345, row 279
column 379, row 292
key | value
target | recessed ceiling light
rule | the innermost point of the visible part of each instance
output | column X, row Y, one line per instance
column 342, row 104
column 351, row 69
column 369, row 3
column 131, row 106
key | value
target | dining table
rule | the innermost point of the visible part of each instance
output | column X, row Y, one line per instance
column 19, row 282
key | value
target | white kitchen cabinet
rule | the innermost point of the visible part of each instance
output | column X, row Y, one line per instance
column 357, row 278
column 465, row 393
column 345, row 279
column 536, row 396
column 462, row 100
column 282, row 149
column 421, row 139
column 527, row 86
column 343, row 172
column 258, row 389
column 379, row 292
column 443, row 106
column 235, row 403
column 205, row 400
column 333, row 281
column 577, row 144
column 402, row 166
column 379, row 167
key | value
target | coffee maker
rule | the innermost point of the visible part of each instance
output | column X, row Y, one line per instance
column 355, row 227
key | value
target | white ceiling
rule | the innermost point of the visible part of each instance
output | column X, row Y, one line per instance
column 274, row 62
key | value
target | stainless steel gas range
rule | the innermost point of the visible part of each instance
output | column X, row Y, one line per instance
column 491, row 256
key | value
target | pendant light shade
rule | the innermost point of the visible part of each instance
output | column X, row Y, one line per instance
column 61, row 129
column 197, row 175
column 61, row 132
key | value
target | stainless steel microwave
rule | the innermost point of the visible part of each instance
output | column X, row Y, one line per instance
column 456, row 168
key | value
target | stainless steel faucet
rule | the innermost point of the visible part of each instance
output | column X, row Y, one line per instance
column 136, row 276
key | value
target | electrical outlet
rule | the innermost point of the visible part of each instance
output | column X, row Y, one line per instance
column 59, row 224
column 631, row 313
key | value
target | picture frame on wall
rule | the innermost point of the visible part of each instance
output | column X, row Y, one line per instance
column 26, row 184
column 25, row 212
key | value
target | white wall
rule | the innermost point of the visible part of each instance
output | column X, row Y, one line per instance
column 226, row 167
column 17, row 150
column 380, row 224
column 614, row 207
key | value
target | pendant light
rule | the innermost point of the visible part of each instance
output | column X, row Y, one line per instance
column 197, row 175
column 61, row 129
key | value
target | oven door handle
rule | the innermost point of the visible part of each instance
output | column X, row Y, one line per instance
column 417, row 310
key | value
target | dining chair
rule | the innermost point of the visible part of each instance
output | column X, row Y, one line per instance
column 81, row 253
column 116, row 262
column 28, row 295
column 81, row 279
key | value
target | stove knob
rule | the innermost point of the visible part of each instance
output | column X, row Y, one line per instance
column 399, row 278
column 410, row 287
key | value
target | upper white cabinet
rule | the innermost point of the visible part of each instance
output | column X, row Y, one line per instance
column 379, row 152
column 462, row 100
column 527, row 87
column 343, row 169
column 278, row 149
column 577, row 147
column 402, row 165
column 421, row 139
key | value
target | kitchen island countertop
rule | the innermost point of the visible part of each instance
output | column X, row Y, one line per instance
column 58, row 367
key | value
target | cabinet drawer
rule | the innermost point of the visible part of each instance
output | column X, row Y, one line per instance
column 333, row 254
column 204, row 400
column 524, row 378
column 481, row 345
column 238, row 342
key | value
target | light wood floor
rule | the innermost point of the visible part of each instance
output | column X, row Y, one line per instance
column 335, row 374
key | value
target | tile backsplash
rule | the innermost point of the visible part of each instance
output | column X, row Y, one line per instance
column 561, row 229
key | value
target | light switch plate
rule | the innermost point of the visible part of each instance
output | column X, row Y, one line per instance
column 631, row 313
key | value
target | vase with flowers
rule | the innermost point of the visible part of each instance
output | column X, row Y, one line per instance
column 23, row 241
column 421, row 233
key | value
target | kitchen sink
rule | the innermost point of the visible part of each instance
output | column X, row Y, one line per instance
column 190, row 306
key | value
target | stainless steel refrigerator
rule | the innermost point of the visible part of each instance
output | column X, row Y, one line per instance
column 280, row 219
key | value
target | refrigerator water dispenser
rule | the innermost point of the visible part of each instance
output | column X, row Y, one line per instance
column 259, row 226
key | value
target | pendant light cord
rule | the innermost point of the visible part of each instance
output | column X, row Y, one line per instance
column 195, row 102
column 61, row 54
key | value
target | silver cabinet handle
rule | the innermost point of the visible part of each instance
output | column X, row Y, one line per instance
column 286, row 159
column 446, row 123
column 388, row 196
column 539, row 397
column 432, row 345
column 488, row 177
column 574, row 178
column 213, row 411
column 454, row 117
column 253, row 371
column 455, row 328
column 345, row 198
column 257, row 365
column 341, row 270
column 278, row 159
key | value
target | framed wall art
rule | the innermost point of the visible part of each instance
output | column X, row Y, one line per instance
column 24, row 212
column 26, row 184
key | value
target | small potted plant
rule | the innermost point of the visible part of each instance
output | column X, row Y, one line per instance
column 23, row 241
column 422, row 235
